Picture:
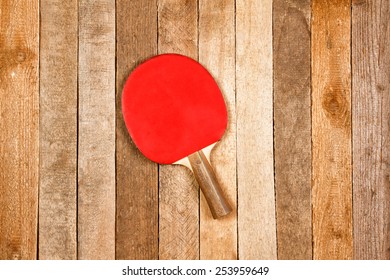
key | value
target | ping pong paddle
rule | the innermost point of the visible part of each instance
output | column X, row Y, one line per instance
column 173, row 108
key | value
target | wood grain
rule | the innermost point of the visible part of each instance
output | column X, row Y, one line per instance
column 136, row 176
column 370, row 118
column 331, row 130
column 218, row 238
column 58, row 130
column 96, row 145
column 179, row 194
column 204, row 174
column 63, row 153
column 292, row 128
column 255, row 169
column 19, row 136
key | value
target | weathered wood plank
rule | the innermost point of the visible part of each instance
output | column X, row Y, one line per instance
column 255, row 169
column 331, row 130
column 370, row 119
column 58, row 130
column 179, row 194
column 19, row 131
column 136, row 176
column 96, row 150
column 292, row 128
column 218, row 238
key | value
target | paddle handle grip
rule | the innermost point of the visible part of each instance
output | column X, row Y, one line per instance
column 208, row 183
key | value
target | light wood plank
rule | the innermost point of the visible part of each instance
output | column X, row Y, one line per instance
column 370, row 119
column 96, row 145
column 255, row 169
column 179, row 194
column 58, row 130
column 136, row 176
column 19, row 137
column 331, row 130
column 292, row 117
column 218, row 238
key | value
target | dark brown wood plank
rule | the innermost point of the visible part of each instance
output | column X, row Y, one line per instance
column 371, row 135
column 58, row 130
column 179, row 194
column 19, row 137
column 136, row 176
column 292, row 127
column 96, row 133
column 331, row 130
column 218, row 238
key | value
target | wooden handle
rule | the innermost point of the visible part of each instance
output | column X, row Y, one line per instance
column 208, row 183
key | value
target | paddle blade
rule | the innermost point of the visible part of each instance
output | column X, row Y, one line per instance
column 172, row 108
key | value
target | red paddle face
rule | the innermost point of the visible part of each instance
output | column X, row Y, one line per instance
column 172, row 108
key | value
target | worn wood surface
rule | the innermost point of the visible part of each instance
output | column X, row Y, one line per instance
column 73, row 185
column 370, row 118
column 255, row 168
column 19, row 132
column 218, row 238
column 136, row 177
column 292, row 120
column 58, row 130
column 96, row 130
column 331, row 130
column 179, row 193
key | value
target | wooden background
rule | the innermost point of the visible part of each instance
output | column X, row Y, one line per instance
column 305, row 160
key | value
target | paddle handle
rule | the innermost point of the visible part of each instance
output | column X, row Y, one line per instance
column 208, row 183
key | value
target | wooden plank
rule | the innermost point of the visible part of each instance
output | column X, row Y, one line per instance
column 292, row 117
column 331, row 130
column 58, row 130
column 218, row 238
column 370, row 119
column 136, row 176
column 179, row 194
column 19, row 137
column 255, row 169
column 96, row 150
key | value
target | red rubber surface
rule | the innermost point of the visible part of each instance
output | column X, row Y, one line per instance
column 172, row 108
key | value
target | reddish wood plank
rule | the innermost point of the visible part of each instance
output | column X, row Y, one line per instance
column 331, row 130
column 96, row 133
column 370, row 118
column 218, row 238
column 136, row 176
column 58, row 130
column 292, row 127
column 19, row 137
column 179, row 194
